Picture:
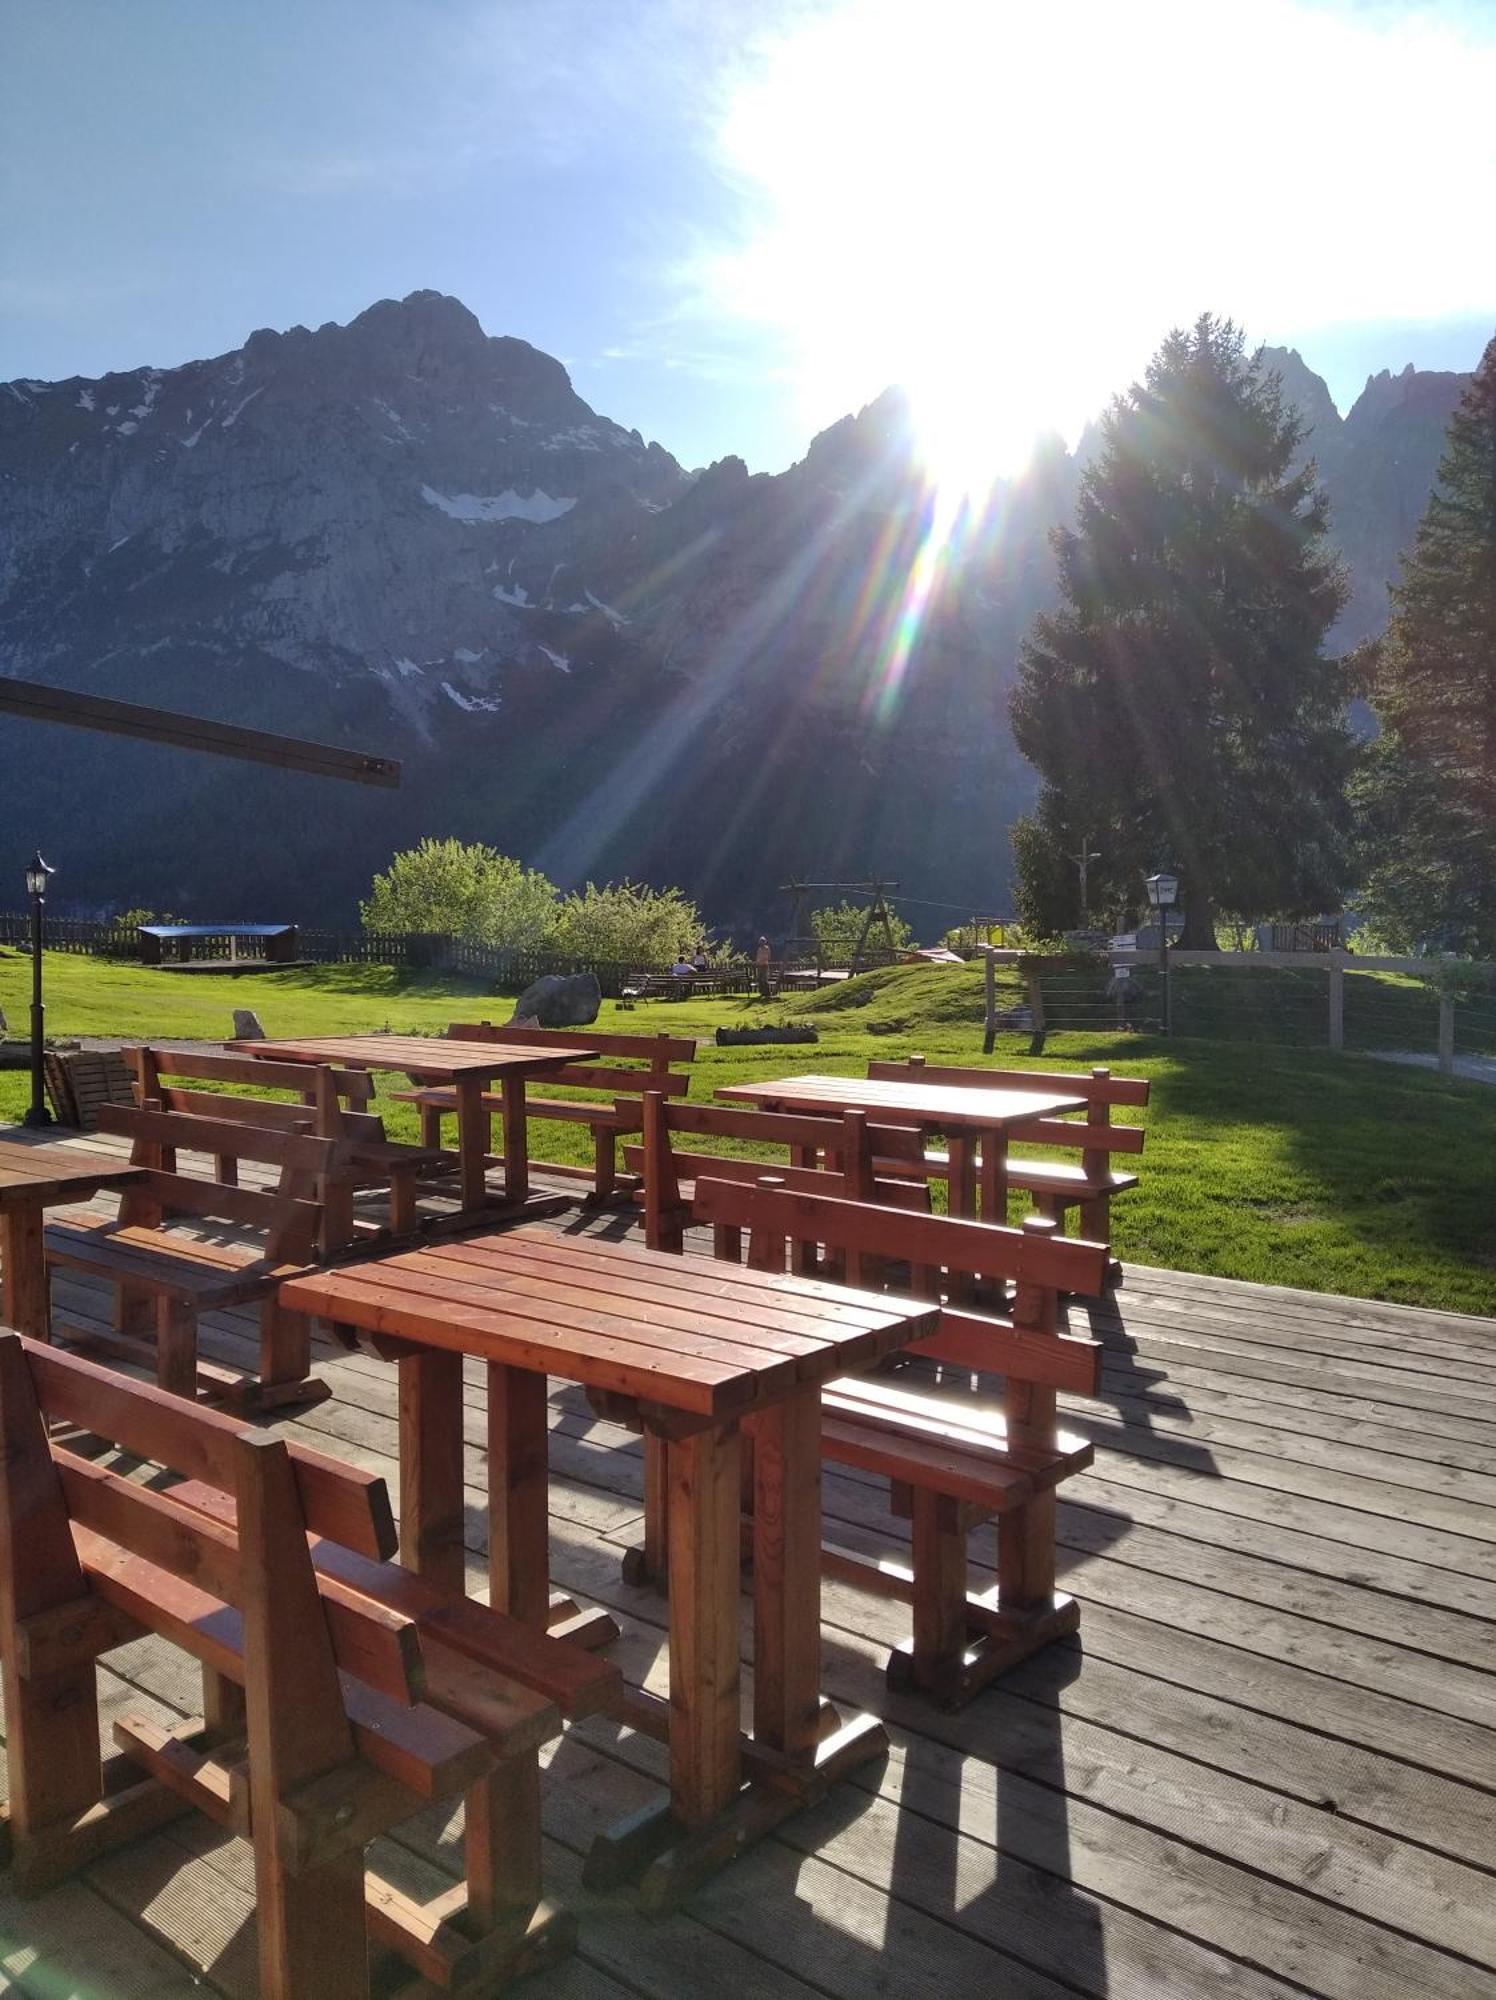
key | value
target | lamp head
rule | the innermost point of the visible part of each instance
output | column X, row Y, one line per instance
column 1163, row 889
column 37, row 872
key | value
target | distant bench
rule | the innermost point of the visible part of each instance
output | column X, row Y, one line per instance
column 1056, row 1185
column 632, row 1064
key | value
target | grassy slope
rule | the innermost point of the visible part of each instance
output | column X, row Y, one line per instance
column 1283, row 1165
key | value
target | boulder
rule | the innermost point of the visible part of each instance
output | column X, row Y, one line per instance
column 247, row 1025
column 559, row 1000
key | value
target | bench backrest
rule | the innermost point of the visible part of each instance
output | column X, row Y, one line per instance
column 1091, row 1130
column 824, row 1156
column 288, row 1218
column 1040, row 1264
column 322, row 1091
column 137, row 1540
column 635, row 1062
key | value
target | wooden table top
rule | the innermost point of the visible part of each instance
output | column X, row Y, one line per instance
column 31, row 1174
column 416, row 1055
column 709, row 1338
column 938, row 1104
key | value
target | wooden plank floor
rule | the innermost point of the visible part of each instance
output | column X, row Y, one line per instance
column 1267, row 1767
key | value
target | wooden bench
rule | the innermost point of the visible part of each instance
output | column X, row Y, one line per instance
column 340, row 1695
column 164, row 1278
column 841, row 1162
column 332, row 1103
column 1087, row 1185
column 953, row 1462
column 633, row 1064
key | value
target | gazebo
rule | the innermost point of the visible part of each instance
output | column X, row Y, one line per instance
column 217, row 947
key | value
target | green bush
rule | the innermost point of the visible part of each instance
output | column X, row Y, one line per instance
column 626, row 922
column 458, row 890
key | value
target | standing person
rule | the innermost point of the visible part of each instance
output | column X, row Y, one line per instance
column 763, row 958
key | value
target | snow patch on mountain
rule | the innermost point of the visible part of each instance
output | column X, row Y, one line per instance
column 615, row 618
column 506, row 506
column 474, row 704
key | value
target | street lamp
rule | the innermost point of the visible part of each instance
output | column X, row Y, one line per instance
column 1163, row 891
column 36, row 889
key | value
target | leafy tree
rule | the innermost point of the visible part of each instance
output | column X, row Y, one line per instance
column 464, row 891
column 627, row 922
column 1179, row 707
column 837, row 927
column 1427, row 791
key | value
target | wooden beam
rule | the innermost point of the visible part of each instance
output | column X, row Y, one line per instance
column 191, row 732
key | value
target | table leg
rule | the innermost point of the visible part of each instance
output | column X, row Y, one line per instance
column 704, row 1503
column 994, row 1191
column 518, row 1494
column 787, row 1575
column 24, row 1303
column 516, row 1144
column 472, row 1140
column 963, row 1183
column 431, row 1519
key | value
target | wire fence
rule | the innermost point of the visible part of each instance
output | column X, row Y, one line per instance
column 1439, row 1011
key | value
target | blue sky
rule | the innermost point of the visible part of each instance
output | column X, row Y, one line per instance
column 735, row 222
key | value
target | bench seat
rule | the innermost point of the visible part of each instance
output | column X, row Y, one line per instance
column 1064, row 1179
column 182, row 1266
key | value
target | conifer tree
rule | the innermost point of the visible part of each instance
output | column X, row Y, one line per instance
column 1179, row 706
column 1427, row 794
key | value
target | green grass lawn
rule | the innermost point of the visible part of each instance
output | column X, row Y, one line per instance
column 1279, row 1164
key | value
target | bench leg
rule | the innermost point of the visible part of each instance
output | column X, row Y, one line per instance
column 310, row 1920
column 1026, row 1556
column 176, row 1346
column 134, row 1310
column 502, row 1845
column 939, row 1591
column 402, row 1203
column 286, row 1356
column 605, row 1162
column 650, row 1563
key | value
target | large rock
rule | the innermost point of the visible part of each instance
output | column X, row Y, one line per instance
column 559, row 1000
column 247, row 1025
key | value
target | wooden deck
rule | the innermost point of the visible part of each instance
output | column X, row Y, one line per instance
column 1268, row 1767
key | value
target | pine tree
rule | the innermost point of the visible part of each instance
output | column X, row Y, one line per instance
column 1179, row 705
column 1428, row 791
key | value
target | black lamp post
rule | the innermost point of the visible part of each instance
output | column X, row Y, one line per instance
column 1163, row 891
column 36, row 889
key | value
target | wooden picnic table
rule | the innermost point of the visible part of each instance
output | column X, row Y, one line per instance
column 687, row 1351
column 970, row 1118
column 34, row 1178
column 470, row 1068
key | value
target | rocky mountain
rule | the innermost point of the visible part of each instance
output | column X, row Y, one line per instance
column 1378, row 463
column 409, row 536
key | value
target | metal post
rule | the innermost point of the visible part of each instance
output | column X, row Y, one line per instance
column 38, row 1115
column 1163, row 966
column 990, row 987
column 1337, row 1004
column 1446, row 1034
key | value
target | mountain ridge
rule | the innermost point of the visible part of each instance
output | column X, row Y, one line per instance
column 413, row 535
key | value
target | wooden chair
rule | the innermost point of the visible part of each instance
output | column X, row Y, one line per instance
column 332, row 1103
column 340, row 1695
column 1054, row 1185
column 166, row 1277
column 954, row 1462
column 633, row 1064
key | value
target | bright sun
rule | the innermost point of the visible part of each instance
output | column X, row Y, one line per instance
column 1004, row 207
